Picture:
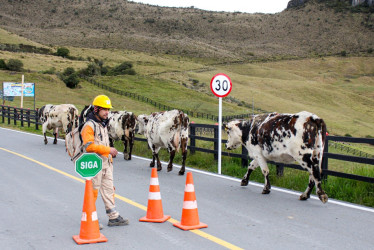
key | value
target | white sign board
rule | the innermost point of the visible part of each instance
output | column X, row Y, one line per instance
column 15, row 89
column 221, row 86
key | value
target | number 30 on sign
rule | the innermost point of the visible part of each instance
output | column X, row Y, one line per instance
column 221, row 85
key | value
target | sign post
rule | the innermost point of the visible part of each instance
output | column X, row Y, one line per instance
column 221, row 87
column 88, row 165
column 23, row 80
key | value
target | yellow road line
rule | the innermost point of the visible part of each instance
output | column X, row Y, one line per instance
column 133, row 203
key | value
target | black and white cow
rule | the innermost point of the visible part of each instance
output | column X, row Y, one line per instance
column 63, row 116
column 167, row 129
column 283, row 138
column 122, row 127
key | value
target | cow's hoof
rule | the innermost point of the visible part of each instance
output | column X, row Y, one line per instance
column 159, row 168
column 152, row 165
column 126, row 156
column 304, row 197
column 323, row 197
column 266, row 191
column 55, row 142
column 170, row 168
column 45, row 142
column 244, row 183
column 180, row 173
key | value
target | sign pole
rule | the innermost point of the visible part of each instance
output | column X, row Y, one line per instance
column 23, row 80
column 219, row 134
column 221, row 86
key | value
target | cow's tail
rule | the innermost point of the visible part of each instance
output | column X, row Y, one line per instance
column 320, row 140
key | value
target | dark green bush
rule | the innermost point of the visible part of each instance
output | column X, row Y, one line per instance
column 124, row 68
column 2, row 64
column 63, row 52
column 14, row 65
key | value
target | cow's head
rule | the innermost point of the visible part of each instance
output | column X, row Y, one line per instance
column 234, row 133
column 142, row 124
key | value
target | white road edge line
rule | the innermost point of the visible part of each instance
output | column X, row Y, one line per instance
column 341, row 203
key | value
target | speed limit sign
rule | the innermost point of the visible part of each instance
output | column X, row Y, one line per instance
column 221, row 85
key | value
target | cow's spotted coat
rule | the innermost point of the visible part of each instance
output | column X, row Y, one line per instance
column 283, row 138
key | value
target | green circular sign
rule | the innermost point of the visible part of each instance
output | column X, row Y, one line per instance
column 88, row 165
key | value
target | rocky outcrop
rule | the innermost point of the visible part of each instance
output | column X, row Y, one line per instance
column 296, row 3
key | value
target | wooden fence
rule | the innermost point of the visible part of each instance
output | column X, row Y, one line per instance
column 26, row 116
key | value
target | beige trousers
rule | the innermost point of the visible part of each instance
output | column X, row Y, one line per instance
column 103, row 181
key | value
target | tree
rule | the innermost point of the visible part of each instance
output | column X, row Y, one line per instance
column 63, row 52
column 70, row 78
column 2, row 64
column 14, row 65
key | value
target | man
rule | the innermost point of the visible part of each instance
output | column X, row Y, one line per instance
column 96, row 140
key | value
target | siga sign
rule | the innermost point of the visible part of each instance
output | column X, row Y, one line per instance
column 221, row 85
column 88, row 165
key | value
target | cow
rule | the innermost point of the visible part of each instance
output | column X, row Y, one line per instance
column 85, row 111
column 283, row 138
column 64, row 116
column 166, row 129
column 122, row 127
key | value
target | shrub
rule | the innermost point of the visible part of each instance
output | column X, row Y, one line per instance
column 70, row 78
column 63, row 52
column 14, row 65
column 2, row 64
column 124, row 68
column 343, row 53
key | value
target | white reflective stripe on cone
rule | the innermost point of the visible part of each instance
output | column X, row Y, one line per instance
column 94, row 216
column 189, row 204
column 189, row 188
column 154, row 181
column 84, row 216
column 154, row 196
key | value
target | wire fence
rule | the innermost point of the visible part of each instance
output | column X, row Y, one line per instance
column 27, row 117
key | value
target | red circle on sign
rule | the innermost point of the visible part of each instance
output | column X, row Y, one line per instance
column 221, row 85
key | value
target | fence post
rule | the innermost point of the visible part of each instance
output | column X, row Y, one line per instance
column 28, row 117
column 8, row 115
column 14, row 115
column 193, row 140
column 36, row 119
column 279, row 168
column 2, row 113
column 244, row 159
column 325, row 159
column 216, row 143
column 21, row 117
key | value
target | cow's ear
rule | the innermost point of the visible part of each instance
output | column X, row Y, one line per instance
column 224, row 125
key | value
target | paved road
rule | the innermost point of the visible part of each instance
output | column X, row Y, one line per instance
column 41, row 201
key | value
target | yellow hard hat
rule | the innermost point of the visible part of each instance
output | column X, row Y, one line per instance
column 102, row 101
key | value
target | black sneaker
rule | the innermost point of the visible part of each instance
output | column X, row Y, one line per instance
column 119, row 221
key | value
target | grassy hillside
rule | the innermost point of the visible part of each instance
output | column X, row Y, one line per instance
column 316, row 28
column 339, row 89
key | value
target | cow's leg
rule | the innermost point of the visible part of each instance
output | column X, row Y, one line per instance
column 252, row 166
column 170, row 165
column 153, row 161
column 126, row 156
column 306, row 195
column 184, row 156
column 111, row 142
column 131, row 145
column 55, row 133
column 313, row 165
column 159, row 167
column 45, row 133
column 265, row 171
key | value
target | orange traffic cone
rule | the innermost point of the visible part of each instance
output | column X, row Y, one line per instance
column 90, row 229
column 154, row 210
column 190, row 216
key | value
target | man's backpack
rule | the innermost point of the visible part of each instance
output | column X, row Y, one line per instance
column 74, row 142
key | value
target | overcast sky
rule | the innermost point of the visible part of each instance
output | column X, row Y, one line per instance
column 247, row 6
